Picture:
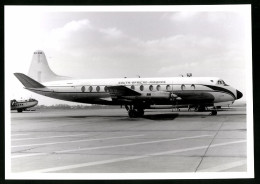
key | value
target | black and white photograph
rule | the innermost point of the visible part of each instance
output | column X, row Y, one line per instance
column 128, row 92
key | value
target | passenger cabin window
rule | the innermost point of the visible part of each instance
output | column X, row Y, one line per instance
column 83, row 88
column 158, row 87
column 182, row 87
column 193, row 86
column 90, row 88
column 98, row 88
column 105, row 88
column 168, row 88
column 151, row 87
column 141, row 87
column 133, row 87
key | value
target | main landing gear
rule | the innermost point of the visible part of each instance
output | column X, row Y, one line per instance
column 19, row 110
column 133, row 112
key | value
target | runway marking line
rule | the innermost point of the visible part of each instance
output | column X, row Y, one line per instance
column 75, row 166
column 104, row 147
column 27, row 155
column 82, row 140
column 18, row 134
column 224, row 166
column 22, row 139
column 132, row 144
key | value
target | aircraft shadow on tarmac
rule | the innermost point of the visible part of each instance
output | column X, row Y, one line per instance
column 156, row 117
column 171, row 116
column 161, row 116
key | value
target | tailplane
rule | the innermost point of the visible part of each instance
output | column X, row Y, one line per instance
column 28, row 82
column 40, row 70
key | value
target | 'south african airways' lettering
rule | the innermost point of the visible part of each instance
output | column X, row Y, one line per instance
column 142, row 82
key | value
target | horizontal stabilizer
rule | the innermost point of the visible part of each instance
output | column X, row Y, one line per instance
column 118, row 91
column 27, row 81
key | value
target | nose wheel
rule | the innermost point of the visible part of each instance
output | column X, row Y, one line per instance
column 214, row 112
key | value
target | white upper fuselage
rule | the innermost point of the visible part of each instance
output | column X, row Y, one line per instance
column 135, row 81
column 140, row 92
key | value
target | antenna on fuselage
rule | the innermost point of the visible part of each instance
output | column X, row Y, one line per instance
column 189, row 74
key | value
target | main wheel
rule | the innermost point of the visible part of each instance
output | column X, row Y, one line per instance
column 132, row 113
column 140, row 112
column 19, row 110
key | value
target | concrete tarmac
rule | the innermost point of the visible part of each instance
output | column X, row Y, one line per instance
column 108, row 141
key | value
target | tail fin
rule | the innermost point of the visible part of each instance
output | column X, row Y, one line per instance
column 40, row 70
column 27, row 81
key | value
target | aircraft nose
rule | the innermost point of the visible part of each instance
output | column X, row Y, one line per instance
column 239, row 94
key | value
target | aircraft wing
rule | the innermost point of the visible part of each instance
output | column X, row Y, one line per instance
column 121, row 91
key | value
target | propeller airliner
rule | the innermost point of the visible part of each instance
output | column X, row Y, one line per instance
column 136, row 94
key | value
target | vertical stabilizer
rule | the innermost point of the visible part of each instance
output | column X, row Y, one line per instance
column 40, row 70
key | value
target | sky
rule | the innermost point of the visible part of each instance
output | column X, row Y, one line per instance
column 115, row 42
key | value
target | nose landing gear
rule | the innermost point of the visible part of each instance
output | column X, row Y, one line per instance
column 214, row 112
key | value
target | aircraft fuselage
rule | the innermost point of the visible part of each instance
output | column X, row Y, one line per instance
column 190, row 90
column 136, row 94
column 23, row 104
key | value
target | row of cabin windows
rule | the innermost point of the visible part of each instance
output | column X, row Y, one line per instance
column 158, row 87
column 151, row 88
column 90, row 89
column 18, row 104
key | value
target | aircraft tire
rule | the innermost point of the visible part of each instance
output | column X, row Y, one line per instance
column 19, row 110
column 214, row 113
column 140, row 112
column 132, row 113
